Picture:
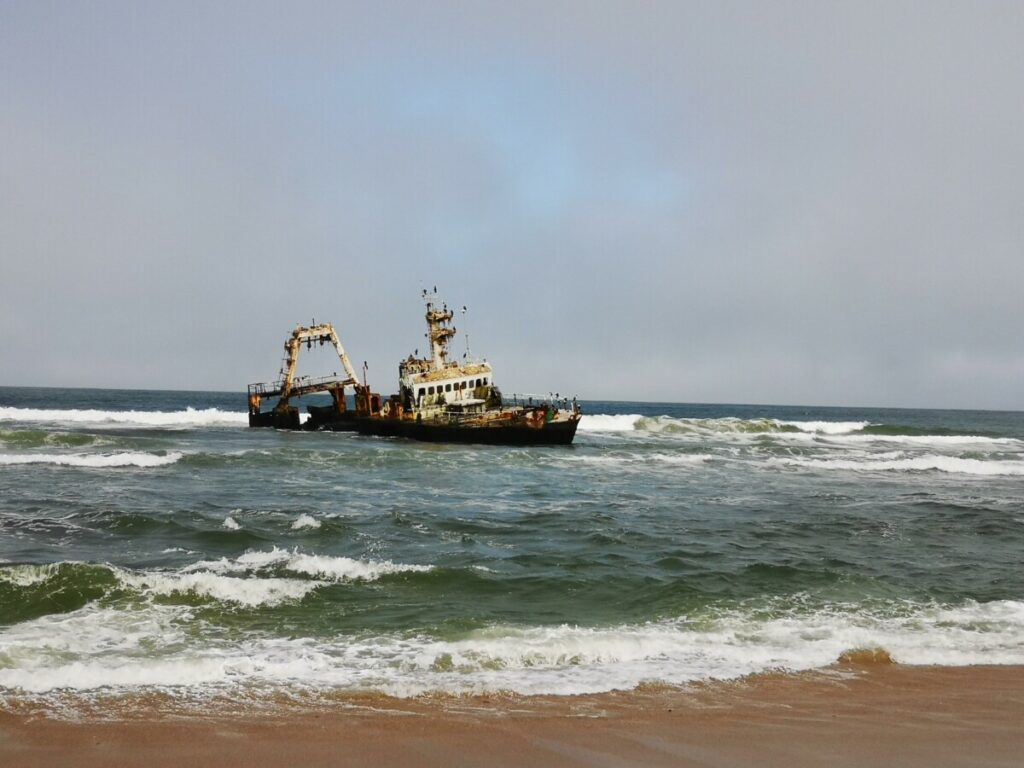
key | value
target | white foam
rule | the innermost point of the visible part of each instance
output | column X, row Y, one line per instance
column 230, row 523
column 248, row 561
column 600, row 422
column 686, row 459
column 190, row 417
column 96, row 460
column 827, row 427
column 322, row 566
column 938, row 441
column 750, row 431
column 305, row 521
column 731, row 425
column 345, row 568
column 122, row 674
column 27, row 574
column 244, row 591
column 976, row 442
column 641, row 460
column 668, row 425
column 953, row 464
column 99, row 647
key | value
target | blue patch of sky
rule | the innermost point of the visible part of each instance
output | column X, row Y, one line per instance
column 532, row 138
column 555, row 143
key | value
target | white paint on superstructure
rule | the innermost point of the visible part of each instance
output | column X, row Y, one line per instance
column 429, row 385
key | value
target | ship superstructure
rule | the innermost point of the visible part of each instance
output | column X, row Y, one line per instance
column 435, row 385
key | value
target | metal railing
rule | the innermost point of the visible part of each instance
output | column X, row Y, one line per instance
column 555, row 400
column 299, row 385
column 508, row 402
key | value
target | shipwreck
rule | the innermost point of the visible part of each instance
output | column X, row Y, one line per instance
column 439, row 399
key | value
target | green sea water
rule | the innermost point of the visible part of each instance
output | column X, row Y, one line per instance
column 150, row 540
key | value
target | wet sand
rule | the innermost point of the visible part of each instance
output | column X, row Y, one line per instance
column 851, row 715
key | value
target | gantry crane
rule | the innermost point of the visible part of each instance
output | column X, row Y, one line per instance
column 284, row 415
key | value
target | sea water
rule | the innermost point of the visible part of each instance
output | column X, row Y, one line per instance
column 152, row 541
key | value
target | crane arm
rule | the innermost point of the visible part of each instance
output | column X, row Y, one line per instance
column 341, row 355
column 321, row 334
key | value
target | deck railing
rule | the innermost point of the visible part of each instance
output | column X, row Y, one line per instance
column 299, row 385
column 555, row 400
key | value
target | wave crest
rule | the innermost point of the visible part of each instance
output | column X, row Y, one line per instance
column 333, row 568
column 601, row 422
column 95, row 460
column 305, row 521
column 190, row 417
column 261, row 578
column 247, row 592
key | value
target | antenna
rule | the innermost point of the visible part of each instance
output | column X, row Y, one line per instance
column 465, row 332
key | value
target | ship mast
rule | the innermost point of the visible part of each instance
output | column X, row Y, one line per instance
column 439, row 333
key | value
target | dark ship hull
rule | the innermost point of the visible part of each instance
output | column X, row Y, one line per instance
column 551, row 433
column 560, row 433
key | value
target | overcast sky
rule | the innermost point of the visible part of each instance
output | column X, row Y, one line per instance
column 763, row 202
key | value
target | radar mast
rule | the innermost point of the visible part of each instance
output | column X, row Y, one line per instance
column 439, row 332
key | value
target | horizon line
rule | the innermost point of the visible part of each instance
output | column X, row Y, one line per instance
column 582, row 400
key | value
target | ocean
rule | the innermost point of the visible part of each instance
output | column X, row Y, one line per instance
column 150, row 541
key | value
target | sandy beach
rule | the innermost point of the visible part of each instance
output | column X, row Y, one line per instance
column 851, row 715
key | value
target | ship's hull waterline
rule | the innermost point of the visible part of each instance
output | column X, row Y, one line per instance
column 555, row 433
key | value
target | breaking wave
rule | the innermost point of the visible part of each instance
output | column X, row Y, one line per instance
column 98, row 647
column 305, row 521
column 85, row 582
column 672, row 425
column 190, row 417
column 322, row 566
column 602, row 422
column 825, row 427
column 97, row 460
column 261, row 578
column 247, row 592
column 823, row 433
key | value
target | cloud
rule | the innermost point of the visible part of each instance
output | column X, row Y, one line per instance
column 797, row 203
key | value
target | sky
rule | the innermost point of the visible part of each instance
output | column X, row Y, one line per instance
column 815, row 203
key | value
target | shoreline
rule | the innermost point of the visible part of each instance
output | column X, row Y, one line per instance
column 852, row 714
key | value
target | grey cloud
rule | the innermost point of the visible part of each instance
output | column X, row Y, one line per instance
column 786, row 202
